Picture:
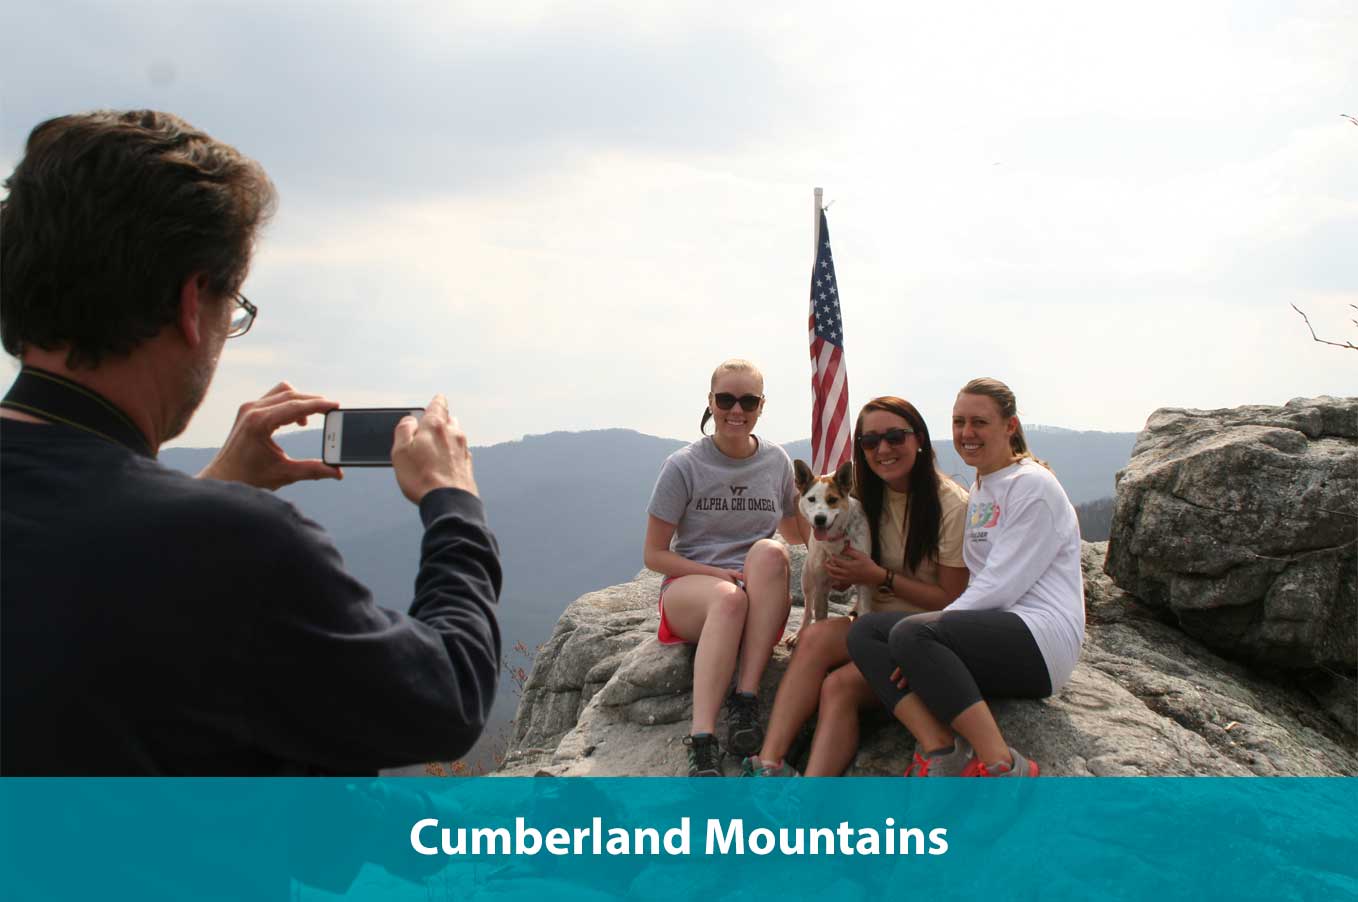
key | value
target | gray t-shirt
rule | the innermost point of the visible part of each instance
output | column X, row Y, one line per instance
column 721, row 506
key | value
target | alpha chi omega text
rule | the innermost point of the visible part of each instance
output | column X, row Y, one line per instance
column 722, row 837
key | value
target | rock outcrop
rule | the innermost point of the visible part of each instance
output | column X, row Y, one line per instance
column 1243, row 524
column 605, row 699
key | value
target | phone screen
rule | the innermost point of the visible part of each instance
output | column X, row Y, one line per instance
column 365, row 436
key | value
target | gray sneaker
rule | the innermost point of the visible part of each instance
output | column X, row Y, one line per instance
column 1022, row 767
column 942, row 763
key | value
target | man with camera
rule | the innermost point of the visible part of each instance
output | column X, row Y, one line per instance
column 154, row 623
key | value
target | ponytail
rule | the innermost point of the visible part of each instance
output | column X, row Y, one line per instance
column 707, row 415
column 1018, row 443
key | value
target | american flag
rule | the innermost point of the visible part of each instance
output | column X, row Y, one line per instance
column 831, row 434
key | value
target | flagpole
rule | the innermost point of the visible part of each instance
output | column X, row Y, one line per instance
column 815, row 225
column 817, row 429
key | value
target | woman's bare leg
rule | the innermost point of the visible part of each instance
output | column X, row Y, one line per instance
column 977, row 726
column 842, row 695
column 766, row 584
column 930, row 732
column 820, row 649
column 711, row 612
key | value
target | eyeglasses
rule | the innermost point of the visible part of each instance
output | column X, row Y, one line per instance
column 726, row 400
column 242, row 318
column 870, row 440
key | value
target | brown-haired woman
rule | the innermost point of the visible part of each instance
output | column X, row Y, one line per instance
column 915, row 516
column 1017, row 629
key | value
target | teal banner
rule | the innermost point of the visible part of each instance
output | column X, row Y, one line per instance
column 556, row 839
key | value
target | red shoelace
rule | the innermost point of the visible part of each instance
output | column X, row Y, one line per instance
column 919, row 767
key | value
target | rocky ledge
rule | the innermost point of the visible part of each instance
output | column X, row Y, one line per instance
column 1221, row 640
column 605, row 699
column 1241, row 526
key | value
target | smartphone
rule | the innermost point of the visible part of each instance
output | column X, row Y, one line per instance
column 362, row 437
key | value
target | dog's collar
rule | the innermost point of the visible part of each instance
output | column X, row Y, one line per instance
column 59, row 400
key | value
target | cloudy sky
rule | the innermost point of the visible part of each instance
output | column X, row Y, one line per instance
column 563, row 215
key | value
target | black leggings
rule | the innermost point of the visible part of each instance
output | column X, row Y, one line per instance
column 950, row 659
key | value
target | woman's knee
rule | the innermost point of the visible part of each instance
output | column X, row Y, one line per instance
column 766, row 557
column 731, row 603
column 822, row 643
column 906, row 637
column 868, row 634
column 841, row 689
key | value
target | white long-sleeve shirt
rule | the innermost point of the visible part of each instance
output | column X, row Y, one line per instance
column 1022, row 546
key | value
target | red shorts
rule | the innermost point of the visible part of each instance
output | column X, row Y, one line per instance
column 663, row 634
column 666, row 636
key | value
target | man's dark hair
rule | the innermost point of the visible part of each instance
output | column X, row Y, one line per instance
column 108, row 214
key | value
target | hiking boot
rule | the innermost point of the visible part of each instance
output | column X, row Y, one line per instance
column 744, row 736
column 754, row 767
column 948, row 762
column 704, row 755
column 1022, row 767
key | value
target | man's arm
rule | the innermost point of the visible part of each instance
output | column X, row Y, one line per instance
column 351, row 687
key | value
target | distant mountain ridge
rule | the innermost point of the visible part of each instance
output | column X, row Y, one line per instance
column 1084, row 462
column 569, row 511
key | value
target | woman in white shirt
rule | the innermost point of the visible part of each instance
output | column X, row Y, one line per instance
column 1017, row 629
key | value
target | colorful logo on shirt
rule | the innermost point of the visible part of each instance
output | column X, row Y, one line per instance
column 984, row 515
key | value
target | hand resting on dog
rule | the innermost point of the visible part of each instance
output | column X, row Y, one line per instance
column 852, row 567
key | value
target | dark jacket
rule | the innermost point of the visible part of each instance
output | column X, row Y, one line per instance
column 153, row 623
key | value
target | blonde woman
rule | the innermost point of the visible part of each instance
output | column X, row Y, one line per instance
column 711, row 520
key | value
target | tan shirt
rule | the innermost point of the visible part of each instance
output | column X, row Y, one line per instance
column 893, row 530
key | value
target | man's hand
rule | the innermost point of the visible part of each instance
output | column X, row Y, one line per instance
column 431, row 453
column 250, row 455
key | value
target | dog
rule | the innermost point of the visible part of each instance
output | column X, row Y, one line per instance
column 837, row 520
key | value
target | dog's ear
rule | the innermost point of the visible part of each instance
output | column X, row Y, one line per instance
column 802, row 474
column 844, row 477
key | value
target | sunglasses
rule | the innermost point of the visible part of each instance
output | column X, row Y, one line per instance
column 726, row 400
column 870, row 440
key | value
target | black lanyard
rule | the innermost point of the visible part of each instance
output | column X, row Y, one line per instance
column 59, row 400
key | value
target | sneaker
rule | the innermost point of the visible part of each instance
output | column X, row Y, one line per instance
column 948, row 762
column 704, row 756
column 753, row 767
column 744, row 736
column 919, row 766
column 1022, row 767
